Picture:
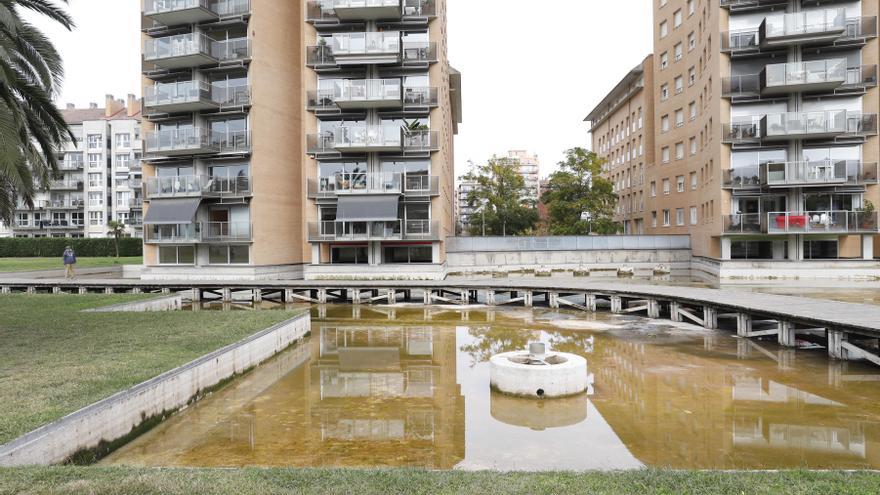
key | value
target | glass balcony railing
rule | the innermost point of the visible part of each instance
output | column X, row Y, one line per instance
column 72, row 185
column 180, row 50
column 352, row 47
column 226, row 231
column 746, row 223
column 741, row 5
column 197, row 186
column 179, row 142
column 334, row 11
column 229, row 8
column 135, row 203
column 367, row 139
column 173, row 234
column 188, row 96
column 799, row 25
column 379, row 231
column 373, row 183
column 819, row 173
column 804, row 76
column 417, row 53
column 368, row 93
column 71, row 164
column 743, row 177
column 821, row 222
column 184, row 12
column 421, row 185
column 800, row 125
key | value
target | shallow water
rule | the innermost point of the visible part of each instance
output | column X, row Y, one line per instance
column 406, row 386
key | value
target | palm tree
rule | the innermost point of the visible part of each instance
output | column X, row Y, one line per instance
column 117, row 230
column 31, row 127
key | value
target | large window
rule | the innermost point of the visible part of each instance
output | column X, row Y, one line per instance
column 349, row 255
column 229, row 255
column 176, row 255
column 820, row 249
column 751, row 250
column 408, row 254
column 123, row 140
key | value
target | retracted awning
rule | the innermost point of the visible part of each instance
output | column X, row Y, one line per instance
column 381, row 208
column 172, row 211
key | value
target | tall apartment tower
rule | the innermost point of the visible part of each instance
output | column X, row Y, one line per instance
column 623, row 132
column 529, row 168
column 99, row 177
column 765, row 128
column 383, row 106
column 297, row 138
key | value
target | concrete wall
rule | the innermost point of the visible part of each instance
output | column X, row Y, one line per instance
column 748, row 271
column 381, row 272
column 116, row 416
column 222, row 273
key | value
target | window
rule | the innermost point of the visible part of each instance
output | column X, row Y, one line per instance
column 77, row 218
column 122, row 198
column 96, row 199
column 653, row 189
column 664, row 154
column 664, row 60
column 228, row 255
column 693, row 181
column 692, row 41
column 666, row 187
column 679, row 117
column 23, row 220
column 664, row 29
column 94, row 141
column 692, row 110
column 664, row 92
column 95, row 180
column 95, row 160
column 679, row 183
column 691, row 7
column 177, row 255
column 676, row 18
column 692, row 76
column 408, row 254
column 666, row 218
column 693, row 145
column 664, row 123
column 679, row 84
column 349, row 255
column 123, row 140
column 95, row 218
column 123, row 160
column 654, row 219
column 679, row 216
column 678, row 52
column 679, row 151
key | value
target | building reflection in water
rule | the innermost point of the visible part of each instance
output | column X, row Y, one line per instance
column 409, row 387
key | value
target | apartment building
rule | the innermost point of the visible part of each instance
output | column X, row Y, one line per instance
column 622, row 126
column 302, row 138
column 765, row 128
column 529, row 168
column 463, row 208
column 98, row 180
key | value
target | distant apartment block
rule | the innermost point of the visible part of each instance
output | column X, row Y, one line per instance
column 99, row 177
column 463, row 208
column 755, row 130
column 529, row 169
column 321, row 147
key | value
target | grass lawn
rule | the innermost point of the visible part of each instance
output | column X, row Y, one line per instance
column 56, row 359
column 9, row 265
column 100, row 481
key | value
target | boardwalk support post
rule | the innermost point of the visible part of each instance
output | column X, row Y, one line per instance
column 528, row 299
column 226, row 294
column 710, row 318
column 743, row 324
column 675, row 311
column 490, row 298
column 653, row 308
column 835, row 345
column 553, row 300
column 616, row 304
column 786, row 333
column 590, row 300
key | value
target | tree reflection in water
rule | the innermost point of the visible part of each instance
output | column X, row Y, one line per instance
column 492, row 340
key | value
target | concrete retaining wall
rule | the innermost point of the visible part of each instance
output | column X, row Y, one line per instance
column 384, row 272
column 167, row 303
column 606, row 260
column 744, row 271
column 221, row 273
column 116, row 416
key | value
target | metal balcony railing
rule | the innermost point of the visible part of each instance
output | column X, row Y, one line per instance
column 181, row 45
column 367, row 138
column 227, row 231
column 196, row 186
column 815, row 72
column 743, row 177
column 188, row 94
column 174, row 142
column 229, row 8
column 363, row 44
column 421, row 185
column 821, row 222
column 325, row 10
column 136, row 203
column 748, row 223
column 416, row 53
column 68, row 204
column 803, row 24
column 820, row 173
column 230, row 50
column 800, row 125
column 740, row 5
column 373, row 183
column 71, row 164
column 173, row 234
column 66, row 184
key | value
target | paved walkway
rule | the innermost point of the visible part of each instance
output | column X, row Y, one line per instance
column 826, row 314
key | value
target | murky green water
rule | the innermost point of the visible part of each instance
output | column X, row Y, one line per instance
column 409, row 386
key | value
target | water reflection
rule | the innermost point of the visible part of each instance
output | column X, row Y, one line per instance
column 404, row 386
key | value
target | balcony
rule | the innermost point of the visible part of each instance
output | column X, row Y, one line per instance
column 71, row 165
column 743, row 178
column 173, row 234
column 365, row 48
column 396, row 230
column 800, row 125
column 821, row 222
column 372, row 139
column 335, row 11
column 194, row 96
column 196, row 141
column 373, row 183
column 64, row 204
column 135, row 203
column 66, row 185
column 180, row 51
column 746, row 5
column 819, row 173
column 802, row 27
column 817, row 75
column 364, row 94
column 220, row 232
column 421, row 185
column 189, row 186
column 179, row 12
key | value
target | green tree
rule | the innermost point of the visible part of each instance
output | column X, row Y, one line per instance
column 579, row 199
column 117, row 230
column 499, row 200
column 31, row 127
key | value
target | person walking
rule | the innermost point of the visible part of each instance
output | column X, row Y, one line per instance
column 69, row 262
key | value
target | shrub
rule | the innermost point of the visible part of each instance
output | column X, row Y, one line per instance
column 49, row 247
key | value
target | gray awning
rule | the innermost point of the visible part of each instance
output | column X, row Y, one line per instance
column 381, row 208
column 172, row 211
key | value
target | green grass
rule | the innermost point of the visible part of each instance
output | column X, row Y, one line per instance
column 98, row 481
column 10, row 265
column 56, row 359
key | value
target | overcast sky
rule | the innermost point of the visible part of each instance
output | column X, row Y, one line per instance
column 531, row 70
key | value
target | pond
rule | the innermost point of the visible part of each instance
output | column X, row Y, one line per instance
column 409, row 386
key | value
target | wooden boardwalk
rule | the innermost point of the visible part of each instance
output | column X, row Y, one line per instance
column 844, row 326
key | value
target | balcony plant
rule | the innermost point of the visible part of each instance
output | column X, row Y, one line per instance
column 867, row 218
